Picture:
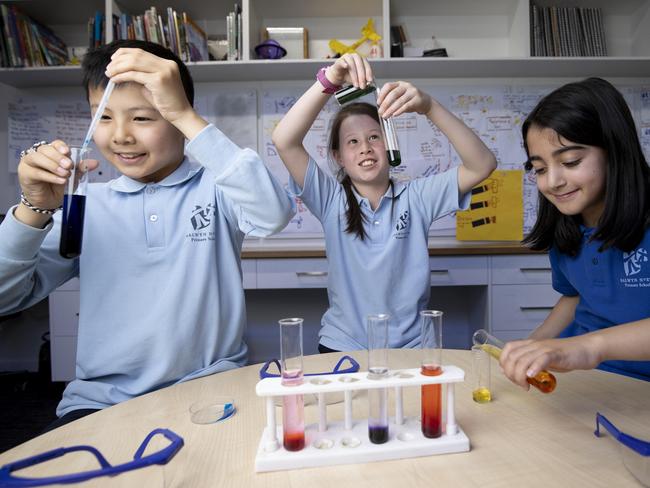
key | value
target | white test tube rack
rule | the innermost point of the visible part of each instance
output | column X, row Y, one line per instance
column 347, row 442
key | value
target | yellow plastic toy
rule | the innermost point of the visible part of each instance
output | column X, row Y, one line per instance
column 367, row 31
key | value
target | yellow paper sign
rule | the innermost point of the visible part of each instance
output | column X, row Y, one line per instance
column 496, row 210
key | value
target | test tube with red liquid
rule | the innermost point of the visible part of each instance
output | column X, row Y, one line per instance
column 293, row 407
column 378, row 370
column 431, row 334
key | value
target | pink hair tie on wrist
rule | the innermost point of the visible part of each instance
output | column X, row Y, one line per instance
column 328, row 87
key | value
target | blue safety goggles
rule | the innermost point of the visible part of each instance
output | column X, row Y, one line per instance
column 338, row 369
column 7, row 479
column 634, row 452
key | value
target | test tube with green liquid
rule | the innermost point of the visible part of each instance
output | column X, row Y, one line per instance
column 350, row 93
column 543, row 381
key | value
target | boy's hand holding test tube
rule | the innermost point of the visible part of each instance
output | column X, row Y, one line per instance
column 43, row 176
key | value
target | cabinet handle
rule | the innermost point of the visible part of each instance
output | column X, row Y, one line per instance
column 535, row 270
column 311, row 274
column 534, row 308
column 439, row 271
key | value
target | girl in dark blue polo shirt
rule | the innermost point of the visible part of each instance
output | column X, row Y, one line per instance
column 593, row 216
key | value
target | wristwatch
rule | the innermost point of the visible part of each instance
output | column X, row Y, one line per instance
column 328, row 87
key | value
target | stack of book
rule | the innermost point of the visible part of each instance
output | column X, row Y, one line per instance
column 178, row 32
column 234, row 34
column 559, row 31
column 25, row 42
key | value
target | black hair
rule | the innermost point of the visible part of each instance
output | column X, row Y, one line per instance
column 95, row 62
column 353, row 212
column 594, row 113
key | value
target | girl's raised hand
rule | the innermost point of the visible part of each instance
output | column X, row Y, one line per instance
column 350, row 69
column 400, row 97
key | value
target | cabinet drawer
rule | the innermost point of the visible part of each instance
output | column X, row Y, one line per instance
column 466, row 270
column 64, row 357
column 70, row 285
column 249, row 273
column 510, row 270
column 292, row 273
column 64, row 313
column 522, row 307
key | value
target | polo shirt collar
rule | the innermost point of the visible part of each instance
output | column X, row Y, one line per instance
column 184, row 172
column 399, row 187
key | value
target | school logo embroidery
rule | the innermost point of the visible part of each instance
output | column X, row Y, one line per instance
column 632, row 261
column 633, row 264
column 402, row 226
column 200, row 220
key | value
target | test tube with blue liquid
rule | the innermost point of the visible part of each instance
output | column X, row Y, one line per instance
column 378, row 370
column 74, row 205
column 75, row 190
column 293, row 406
column 350, row 93
column 431, row 338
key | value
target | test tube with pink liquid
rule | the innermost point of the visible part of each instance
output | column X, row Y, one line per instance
column 293, row 407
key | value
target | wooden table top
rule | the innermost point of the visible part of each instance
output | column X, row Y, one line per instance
column 519, row 439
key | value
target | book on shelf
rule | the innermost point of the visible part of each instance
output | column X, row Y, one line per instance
column 25, row 42
column 567, row 31
column 178, row 32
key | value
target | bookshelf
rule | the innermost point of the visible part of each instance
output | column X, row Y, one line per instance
column 488, row 39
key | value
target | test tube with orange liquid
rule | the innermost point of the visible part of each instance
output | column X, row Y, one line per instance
column 543, row 381
column 431, row 339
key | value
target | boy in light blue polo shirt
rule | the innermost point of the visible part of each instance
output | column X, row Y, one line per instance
column 160, row 273
column 375, row 229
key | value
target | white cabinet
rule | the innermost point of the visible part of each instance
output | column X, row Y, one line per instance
column 292, row 273
column 521, row 294
column 459, row 270
column 64, row 322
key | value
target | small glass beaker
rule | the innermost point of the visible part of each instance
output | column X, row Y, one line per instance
column 74, row 205
column 481, row 393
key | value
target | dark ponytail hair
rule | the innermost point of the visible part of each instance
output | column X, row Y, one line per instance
column 594, row 113
column 353, row 212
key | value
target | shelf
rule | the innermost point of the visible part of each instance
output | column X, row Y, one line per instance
column 385, row 69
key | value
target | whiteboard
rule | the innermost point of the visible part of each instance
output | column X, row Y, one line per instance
column 249, row 115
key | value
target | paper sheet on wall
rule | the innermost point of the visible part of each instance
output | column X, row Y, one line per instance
column 31, row 119
column 496, row 209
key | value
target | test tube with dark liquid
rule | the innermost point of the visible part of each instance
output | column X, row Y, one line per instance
column 543, row 381
column 431, row 343
column 350, row 93
column 74, row 205
column 293, row 406
column 378, row 370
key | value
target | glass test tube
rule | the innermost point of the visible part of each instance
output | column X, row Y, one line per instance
column 378, row 370
column 74, row 205
column 543, row 381
column 350, row 93
column 293, row 407
column 431, row 337
column 481, row 369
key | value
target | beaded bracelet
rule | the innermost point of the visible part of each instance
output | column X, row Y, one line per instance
column 45, row 211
